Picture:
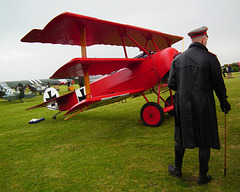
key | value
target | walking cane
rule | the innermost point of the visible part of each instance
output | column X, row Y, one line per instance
column 225, row 160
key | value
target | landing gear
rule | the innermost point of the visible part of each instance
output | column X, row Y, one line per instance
column 55, row 116
column 152, row 114
column 169, row 102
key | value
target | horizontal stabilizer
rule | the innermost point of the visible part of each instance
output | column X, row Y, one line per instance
column 52, row 101
column 45, row 104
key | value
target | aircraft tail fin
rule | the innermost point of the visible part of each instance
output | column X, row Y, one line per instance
column 23, row 95
column 21, row 90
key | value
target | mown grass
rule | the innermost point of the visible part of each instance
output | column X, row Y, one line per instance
column 106, row 149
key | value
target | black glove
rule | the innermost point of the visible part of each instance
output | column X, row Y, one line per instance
column 225, row 106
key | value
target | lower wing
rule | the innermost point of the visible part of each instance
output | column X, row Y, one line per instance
column 103, row 100
column 76, row 102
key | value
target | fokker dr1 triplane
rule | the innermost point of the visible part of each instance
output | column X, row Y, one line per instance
column 122, row 77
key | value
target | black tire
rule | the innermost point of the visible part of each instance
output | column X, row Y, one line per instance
column 168, row 100
column 152, row 114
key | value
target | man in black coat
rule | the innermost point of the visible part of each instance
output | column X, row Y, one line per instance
column 194, row 75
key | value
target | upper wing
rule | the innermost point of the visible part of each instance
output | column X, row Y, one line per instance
column 65, row 29
column 96, row 66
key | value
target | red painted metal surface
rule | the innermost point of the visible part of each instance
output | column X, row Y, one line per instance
column 129, row 76
column 151, row 115
column 102, row 100
column 95, row 66
column 64, row 29
column 139, row 76
column 142, row 75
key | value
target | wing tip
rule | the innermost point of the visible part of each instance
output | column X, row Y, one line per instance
column 33, row 36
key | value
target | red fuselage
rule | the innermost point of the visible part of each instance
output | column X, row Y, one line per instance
column 137, row 76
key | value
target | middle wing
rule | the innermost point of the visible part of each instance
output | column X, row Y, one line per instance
column 96, row 66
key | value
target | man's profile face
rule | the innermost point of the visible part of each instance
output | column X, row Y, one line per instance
column 204, row 40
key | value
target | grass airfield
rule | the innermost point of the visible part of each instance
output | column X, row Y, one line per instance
column 107, row 149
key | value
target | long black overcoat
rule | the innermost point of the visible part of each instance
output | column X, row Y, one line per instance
column 194, row 75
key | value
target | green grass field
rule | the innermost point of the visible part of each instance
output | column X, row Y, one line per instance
column 106, row 149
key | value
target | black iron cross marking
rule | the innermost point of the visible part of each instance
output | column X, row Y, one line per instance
column 83, row 95
column 51, row 97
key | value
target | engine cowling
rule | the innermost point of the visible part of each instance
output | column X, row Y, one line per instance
column 162, row 61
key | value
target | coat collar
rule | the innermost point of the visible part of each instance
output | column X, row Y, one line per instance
column 196, row 44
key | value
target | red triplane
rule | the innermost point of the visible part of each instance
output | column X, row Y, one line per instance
column 123, row 77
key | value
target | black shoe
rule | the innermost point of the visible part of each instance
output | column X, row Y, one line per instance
column 204, row 180
column 177, row 172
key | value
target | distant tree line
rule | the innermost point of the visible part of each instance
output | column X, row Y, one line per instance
column 234, row 66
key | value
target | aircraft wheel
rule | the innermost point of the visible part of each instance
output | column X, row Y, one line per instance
column 168, row 100
column 152, row 114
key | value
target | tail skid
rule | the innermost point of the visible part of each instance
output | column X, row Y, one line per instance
column 55, row 116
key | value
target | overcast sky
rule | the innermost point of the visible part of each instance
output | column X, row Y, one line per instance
column 20, row 61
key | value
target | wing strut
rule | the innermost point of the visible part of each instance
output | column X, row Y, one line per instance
column 155, row 44
column 84, row 55
column 144, row 49
column 124, row 47
column 151, row 38
column 140, row 47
